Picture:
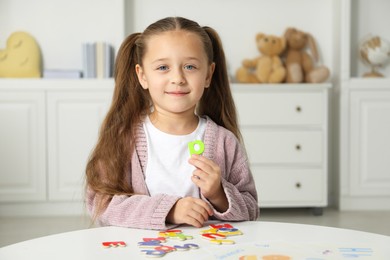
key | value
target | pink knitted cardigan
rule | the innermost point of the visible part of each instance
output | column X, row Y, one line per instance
column 149, row 212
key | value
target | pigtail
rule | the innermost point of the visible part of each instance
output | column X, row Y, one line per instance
column 217, row 101
column 129, row 98
column 108, row 169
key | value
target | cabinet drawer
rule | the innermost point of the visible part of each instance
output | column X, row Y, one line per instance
column 289, row 187
column 278, row 147
column 279, row 108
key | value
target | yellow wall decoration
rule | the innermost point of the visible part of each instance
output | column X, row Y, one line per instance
column 21, row 58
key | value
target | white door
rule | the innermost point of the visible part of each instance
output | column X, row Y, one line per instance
column 22, row 146
column 74, row 119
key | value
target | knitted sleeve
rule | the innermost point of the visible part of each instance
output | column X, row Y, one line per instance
column 237, row 179
column 136, row 211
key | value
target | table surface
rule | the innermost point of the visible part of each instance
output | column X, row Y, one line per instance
column 259, row 239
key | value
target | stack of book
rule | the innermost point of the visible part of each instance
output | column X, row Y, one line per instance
column 98, row 60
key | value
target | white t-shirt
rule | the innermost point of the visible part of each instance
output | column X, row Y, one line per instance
column 167, row 169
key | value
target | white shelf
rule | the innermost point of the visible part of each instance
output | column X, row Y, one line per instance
column 369, row 83
column 279, row 87
column 56, row 84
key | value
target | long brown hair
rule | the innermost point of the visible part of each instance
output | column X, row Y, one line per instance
column 108, row 168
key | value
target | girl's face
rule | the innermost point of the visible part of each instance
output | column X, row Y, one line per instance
column 175, row 71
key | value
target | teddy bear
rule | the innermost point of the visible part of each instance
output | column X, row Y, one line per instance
column 299, row 64
column 268, row 67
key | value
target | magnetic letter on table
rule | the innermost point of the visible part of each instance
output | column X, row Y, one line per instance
column 153, row 253
column 113, row 244
column 161, row 239
column 151, row 243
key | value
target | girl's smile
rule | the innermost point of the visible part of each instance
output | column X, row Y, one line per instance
column 177, row 93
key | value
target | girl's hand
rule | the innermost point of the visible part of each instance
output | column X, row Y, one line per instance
column 190, row 211
column 207, row 177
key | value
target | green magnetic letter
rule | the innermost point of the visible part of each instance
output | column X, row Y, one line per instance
column 196, row 147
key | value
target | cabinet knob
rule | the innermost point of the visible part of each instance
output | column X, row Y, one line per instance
column 298, row 147
column 298, row 109
column 298, row 185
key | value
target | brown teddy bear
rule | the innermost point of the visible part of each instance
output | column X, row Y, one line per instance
column 299, row 64
column 268, row 67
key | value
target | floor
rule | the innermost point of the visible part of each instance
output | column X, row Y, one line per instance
column 17, row 229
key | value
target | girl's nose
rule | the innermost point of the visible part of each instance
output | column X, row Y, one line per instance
column 178, row 78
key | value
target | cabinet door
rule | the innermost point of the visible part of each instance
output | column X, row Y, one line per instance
column 74, row 119
column 290, row 186
column 370, row 143
column 280, row 146
column 22, row 146
column 280, row 108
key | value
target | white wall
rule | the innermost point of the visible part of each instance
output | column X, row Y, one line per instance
column 60, row 27
column 238, row 22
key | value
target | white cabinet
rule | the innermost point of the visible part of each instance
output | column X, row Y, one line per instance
column 22, row 146
column 370, row 143
column 285, row 131
column 74, row 119
column 48, row 128
column 365, row 110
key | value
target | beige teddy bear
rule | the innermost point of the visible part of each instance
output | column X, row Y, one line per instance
column 268, row 67
column 300, row 64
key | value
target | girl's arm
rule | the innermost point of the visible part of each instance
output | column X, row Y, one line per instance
column 236, row 178
column 241, row 194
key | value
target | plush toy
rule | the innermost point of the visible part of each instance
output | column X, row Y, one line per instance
column 299, row 64
column 268, row 67
column 21, row 58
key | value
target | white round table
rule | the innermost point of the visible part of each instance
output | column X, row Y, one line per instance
column 260, row 240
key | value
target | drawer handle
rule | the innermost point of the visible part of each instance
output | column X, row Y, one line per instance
column 298, row 109
column 298, row 185
column 298, row 147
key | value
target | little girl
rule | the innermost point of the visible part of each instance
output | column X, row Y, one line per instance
column 171, row 88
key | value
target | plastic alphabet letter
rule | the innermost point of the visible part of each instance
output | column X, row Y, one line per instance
column 213, row 236
column 222, row 241
column 166, row 249
column 210, row 231
column 186, row 247
column 152, row 243
column 190, row 245
column 153, row 253
column 221, row 226
column 196, row 147
column 161, row 239
column 113, row 244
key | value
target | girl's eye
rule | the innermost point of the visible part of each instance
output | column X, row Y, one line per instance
column 163, row 68
column 189, row 67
